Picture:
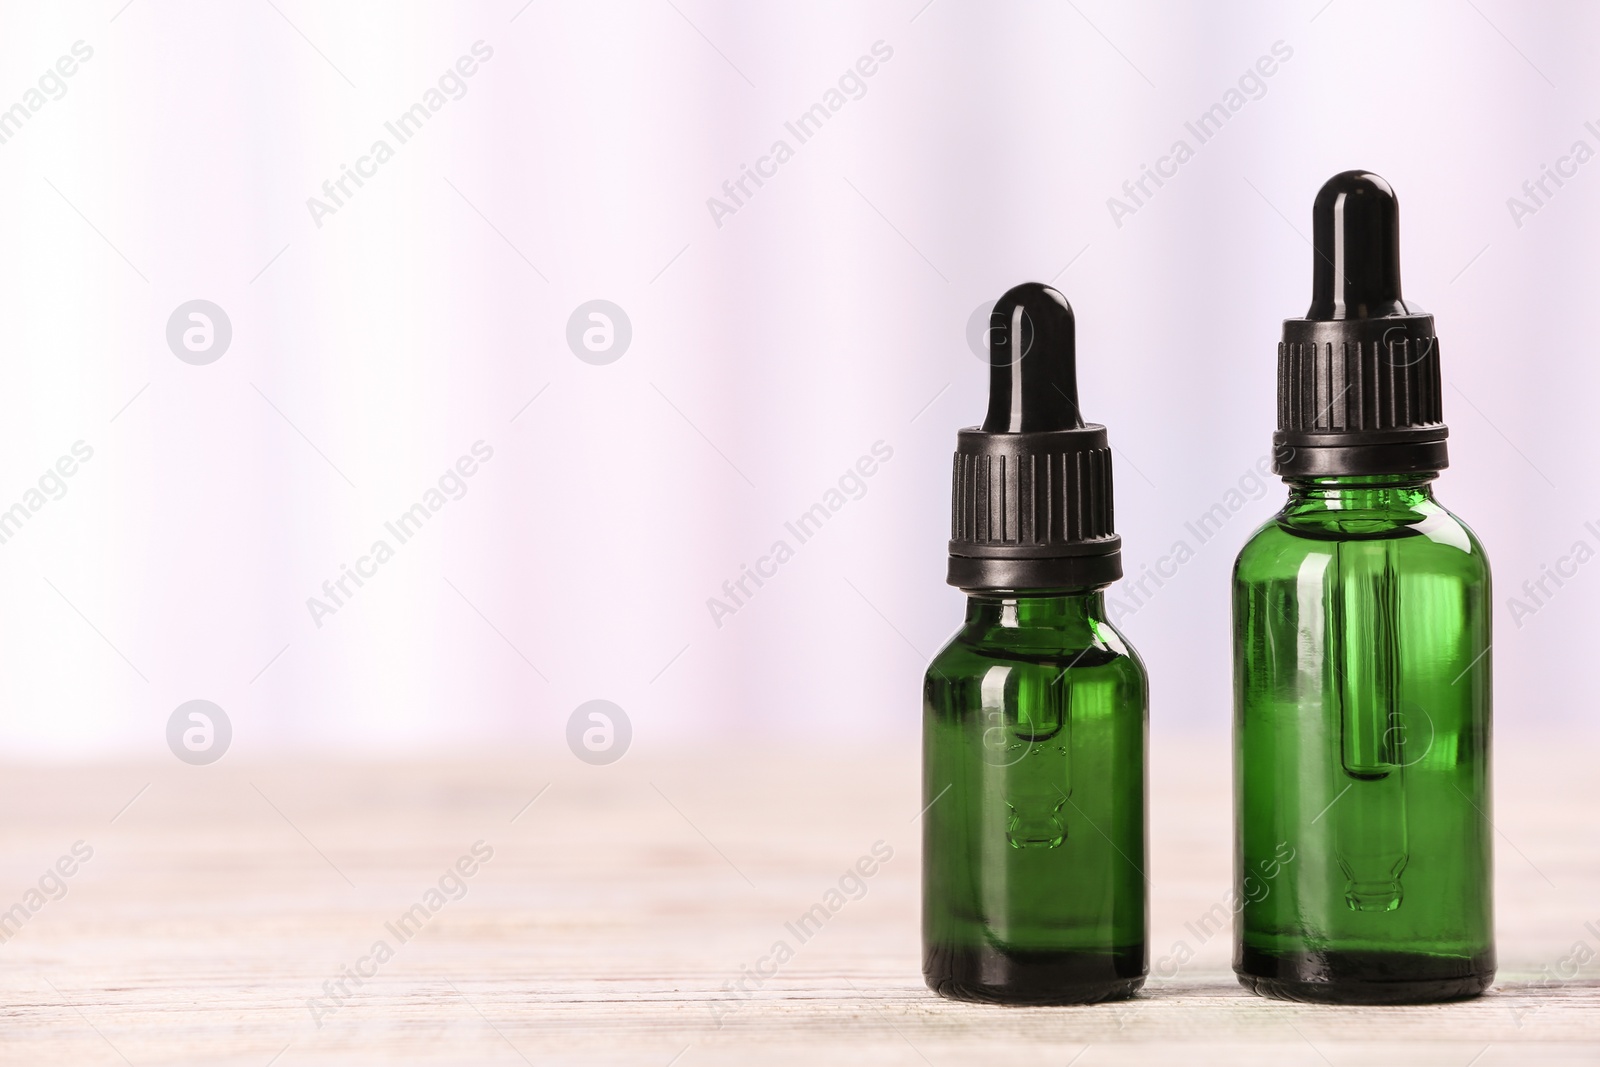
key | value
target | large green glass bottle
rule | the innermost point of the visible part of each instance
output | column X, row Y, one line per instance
column 1034, row 715
column 1361, row 657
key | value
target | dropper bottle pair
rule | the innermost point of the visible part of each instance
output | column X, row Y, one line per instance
column 1361, row 671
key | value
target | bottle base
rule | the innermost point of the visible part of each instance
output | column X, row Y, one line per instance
column 1365, row 977
column 991, row 975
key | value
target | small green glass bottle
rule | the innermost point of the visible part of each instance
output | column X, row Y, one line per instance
column 1034, row 715
column 1361, row 657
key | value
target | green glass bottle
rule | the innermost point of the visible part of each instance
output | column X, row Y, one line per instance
column 1361, row 657
column 1034, row 715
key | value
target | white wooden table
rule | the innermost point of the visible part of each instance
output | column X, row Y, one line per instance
column 617, row 911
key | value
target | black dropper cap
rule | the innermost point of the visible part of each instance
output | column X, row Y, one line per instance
column 1358, row 377
column 1031, row 494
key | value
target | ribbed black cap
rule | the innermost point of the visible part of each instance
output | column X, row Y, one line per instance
column 1358, row 377
column 1031, row 491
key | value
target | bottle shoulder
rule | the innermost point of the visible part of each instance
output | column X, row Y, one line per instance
column 1427, row 536
column 1101, row 648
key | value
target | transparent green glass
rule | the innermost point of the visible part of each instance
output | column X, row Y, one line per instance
column 1034, row 736
column 1361, row 748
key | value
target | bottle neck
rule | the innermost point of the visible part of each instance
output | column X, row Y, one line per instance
column 1076, row 611
column 1365, row 493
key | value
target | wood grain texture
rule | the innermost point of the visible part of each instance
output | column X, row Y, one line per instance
column 618, row 909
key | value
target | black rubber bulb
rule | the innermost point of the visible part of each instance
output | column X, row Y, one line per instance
column 1033, row 362
column 1355, row 229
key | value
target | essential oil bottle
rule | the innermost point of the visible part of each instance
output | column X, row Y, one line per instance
column 1034, row 715
column 1361, row 656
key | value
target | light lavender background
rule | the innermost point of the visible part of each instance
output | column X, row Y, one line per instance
column 768, row 353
